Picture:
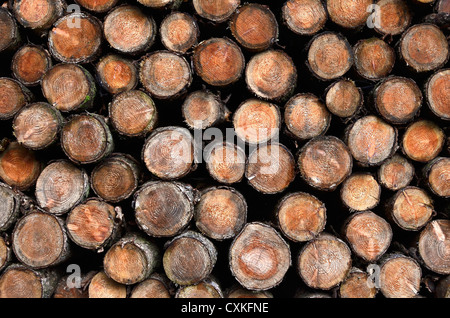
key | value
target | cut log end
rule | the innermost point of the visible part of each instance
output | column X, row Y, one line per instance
column 117, row 74
column 38, row 14
column 101, row 286
column 226, row 162
column 394, row 17
column 160, row 4
column 438, row 93
column 13, row 96
column 202, row 109
column 5, row 253
column 30, row 63
column 443, row 6
column 396, row 173
column 217, row 11
column 357, row 285
column 343, row 98
column 360, row 192
column 437, row 174
column 243, row 293
column 179, row 32
column 99, row 6
column 153, row 287
column 423, row 140
column 304, row 17
column 434, row 246
column 349, row 14
column 20, row 282
column 204, row 289
column 9, row 207
column 374, row 58
column 9, row 30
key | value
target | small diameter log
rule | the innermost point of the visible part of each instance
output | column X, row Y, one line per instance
column 423, row 140
column 93, row 224
column 437, row 175
column 349, row 14
column 131, row 260
column 374, row 58
column 225, row 162
column 325, row 162
column 179, row 32
column 168, row 152
column 208, row 288
column 116, row 178
column 75, row 38
column 393, row 18
column 221, row 212
column 217, row 11
column 218, row 61
column 304, row 17
column 410, row 208
column 69, row 87
column 97, row 6
column 61, row 186
column 73, row 287
column 443, row 288
column 424, row 47
column 254, row 27
column 5, row 253
column 437, row 91
column 40, row 240
column 133, row 113
column 400, row 276
column 256, row 121
column 13, row 96
column 101, row 286
column 202, row 109
column 116, row 74
column 37, row 125
column 86, row 138
column 329, row 56
column 360, row 192
column 368, row 235
column 242, row 293
column 357, row 285
column 301, row 216
column 434, row 246
column 156, row 286
column 19, row 167
column 19, row 281
column 395, row 173
column 270, row 168
column 271, row 75
column 371, row 140
column 128, row 30
column 189, row 258
column 343, row 98
column 397, row 99
column 165, row 74
column 324, row 262
column 306, row 116
column 9, row 207
column 160, row 4
column 259, row 257
column 164, row 209
column 38, row 14
column 30, row 63
column 10, row 39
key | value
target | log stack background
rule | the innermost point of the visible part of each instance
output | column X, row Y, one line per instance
column 363, row 176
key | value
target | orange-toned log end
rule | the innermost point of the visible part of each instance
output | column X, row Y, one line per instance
column 101, row 286
column 158, row 4
column 424, row 47
column 301, row 216
column 133, row 113
column 325, row 162
column 423, row 140
column 443, row 6
column 221, row 213
column 394, row 17
column 179, row 32
column 162, row 209
column 395, row 173
column 217, row 11
column 270, row 168
column 271, row 75
column 239, row 292
column 20, row 282
column 37, row 126
column 306, row 116
column 400, row 277
column 128, row 30
column 19, row 166
column 411, row 208
column 397, row 99
column 125, row 263
column 438, row 176
column 168, row 153
column 349, row 14
column 368, row 235
column 153, row 287
column 165, row 74
column 257, row 121
column 80, row 44
column 38, row 14
column 117, row 74
column 8, row 30
column 226, row 163
column 218, row 61
column 4, row 253
column 304, row 17
column 254, row 26
column 91, row 224
column 202, row 109
column 374, row 58
column 434, row 246
column 329, row 56
column 357, row 285
column 97, row 5
column 30, row 63
column 438, row 93
column 204, row 289
column 371, row 140
column 360, row 192
column 12, row 97
column 343, row 98
column 259, row 257
column 324, row 262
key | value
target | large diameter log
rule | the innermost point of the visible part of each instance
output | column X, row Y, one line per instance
column 394, row 17
column 217, row 11
column 116, row 74
column 349, row 14
column 343, row 98
column 437, row 91
column 434, row 246
column 395, row 173
column 156, row 286
column 360, row 192
column 13, row 96
column 374, row 58
column 9, row 207
column 437, row 176
column 97, row 6
column 30, row 63
column 208, row 288
column 259, row 257
column 10, row 39
column 423, row 140
column 101, row 286
column 225, row 162
column 357, row 285
column 179, row 32
column 304, row 17
column 38, row 14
